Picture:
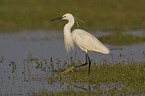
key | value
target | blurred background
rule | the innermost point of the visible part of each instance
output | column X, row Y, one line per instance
column 108, row 15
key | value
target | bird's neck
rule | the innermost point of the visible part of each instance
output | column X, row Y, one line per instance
column 67, row 35
column 67, row 29
column 69, row 25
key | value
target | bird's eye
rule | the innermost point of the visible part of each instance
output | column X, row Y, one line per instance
column 64, row 16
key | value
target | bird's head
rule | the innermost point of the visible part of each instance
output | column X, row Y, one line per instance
column 66, row 16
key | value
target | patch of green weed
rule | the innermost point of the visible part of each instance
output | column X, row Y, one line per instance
column 122, row 39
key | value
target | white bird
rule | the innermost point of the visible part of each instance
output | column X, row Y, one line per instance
column 84, row 40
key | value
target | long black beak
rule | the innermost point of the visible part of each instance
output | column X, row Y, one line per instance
column 56, row 18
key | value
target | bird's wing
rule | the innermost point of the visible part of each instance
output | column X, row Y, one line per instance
column 88, row 42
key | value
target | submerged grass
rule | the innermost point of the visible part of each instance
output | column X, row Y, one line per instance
column 122, row 39
column 131, row 76
column 98, row 14
column 85, row 93
column 123, row 77
column 117, row 80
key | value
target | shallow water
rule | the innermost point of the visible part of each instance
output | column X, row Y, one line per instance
column 48, row 47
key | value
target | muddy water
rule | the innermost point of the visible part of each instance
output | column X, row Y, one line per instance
column 48, row 47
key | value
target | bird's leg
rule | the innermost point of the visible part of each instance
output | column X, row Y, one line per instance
column 89, row 64
column 87, row 58
column 66, row 71
column 70, row 69
column 84, row 63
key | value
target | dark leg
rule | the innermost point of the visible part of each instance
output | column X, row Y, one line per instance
column 87, row 58
column 84, row 63
column 89, row 64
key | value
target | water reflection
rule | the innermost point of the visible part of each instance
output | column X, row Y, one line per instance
column 95, row 86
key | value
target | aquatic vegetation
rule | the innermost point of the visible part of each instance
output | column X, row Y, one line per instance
column 122, row 39
column 123, row 77
column 41, row 76
column 1, row 59
column 13, row 64
column 104, row 79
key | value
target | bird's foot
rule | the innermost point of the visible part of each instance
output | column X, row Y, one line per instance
column 66, row 71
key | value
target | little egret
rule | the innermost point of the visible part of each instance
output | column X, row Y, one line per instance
column 84, row 40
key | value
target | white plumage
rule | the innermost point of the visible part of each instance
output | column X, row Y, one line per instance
column 87, row 42
column 84, row 40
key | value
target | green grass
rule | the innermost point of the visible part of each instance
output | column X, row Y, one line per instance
column 127, row 74
column 83, row 93
column 122, row 39
column 111, row 15
column 131, row 76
